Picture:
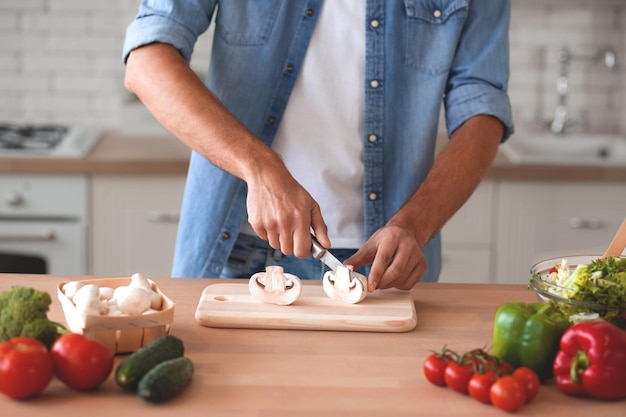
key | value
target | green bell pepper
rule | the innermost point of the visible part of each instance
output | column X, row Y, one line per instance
column 528, row 335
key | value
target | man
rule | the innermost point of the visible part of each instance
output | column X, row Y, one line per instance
column 322, row 117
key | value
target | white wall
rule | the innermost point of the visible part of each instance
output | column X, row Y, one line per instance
column 539, row 28
column 60, row 61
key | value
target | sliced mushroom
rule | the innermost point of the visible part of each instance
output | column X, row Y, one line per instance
column 274, row 286
column 345, row 285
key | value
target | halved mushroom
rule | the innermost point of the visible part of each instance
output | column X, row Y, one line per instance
column 345, row 285
column 274, row 286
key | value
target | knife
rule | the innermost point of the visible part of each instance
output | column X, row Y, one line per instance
column 321, row 253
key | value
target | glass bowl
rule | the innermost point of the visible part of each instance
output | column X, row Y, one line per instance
column 558, row 296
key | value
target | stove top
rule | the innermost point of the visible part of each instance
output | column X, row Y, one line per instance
column 46, row 141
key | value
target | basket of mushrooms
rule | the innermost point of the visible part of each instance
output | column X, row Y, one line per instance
column 123, row 313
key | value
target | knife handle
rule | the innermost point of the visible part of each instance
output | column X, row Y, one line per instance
column 317, row 250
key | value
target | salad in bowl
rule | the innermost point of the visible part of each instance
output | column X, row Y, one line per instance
column 583, row 286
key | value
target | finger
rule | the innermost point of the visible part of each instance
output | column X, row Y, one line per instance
column 382, row 260
column 409, row 279
column 361, row 257
column 274, row 240
column 414, row 271
column 302, row 242
column 261, row 233
column 286, row 243
column 320, row 230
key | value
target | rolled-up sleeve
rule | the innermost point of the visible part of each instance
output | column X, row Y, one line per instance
column 178, row 23
column 480, row 73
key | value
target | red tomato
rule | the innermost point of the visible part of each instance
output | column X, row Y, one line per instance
column 504, row 368
column 457, row 376
column 434, row 368
column 530, row 380
column 508, row 394
column 80, row 362
column 26, row 367
column 479, row 386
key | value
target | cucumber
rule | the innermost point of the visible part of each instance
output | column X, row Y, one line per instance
column 166, row 380
column 130, row 371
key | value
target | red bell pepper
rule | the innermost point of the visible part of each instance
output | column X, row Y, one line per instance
column 592, row 361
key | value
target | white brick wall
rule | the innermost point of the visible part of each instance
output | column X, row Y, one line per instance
column 60, row 61
column 539, row 28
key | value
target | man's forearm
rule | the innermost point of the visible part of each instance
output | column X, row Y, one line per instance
column 457, row 171
column 179, row 100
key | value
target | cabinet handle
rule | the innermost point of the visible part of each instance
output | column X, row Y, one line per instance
column 161, row 217
column 46, row 235
column 592, row 223
column 14, row 199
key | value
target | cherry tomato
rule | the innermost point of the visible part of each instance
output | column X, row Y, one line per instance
column 80, row 362
column 479, row 386
column 530, row 380
column 476, row 362
column 434, row 368
column 457, row 376
column 26, row 367
column 504, row 368
column 508, row 394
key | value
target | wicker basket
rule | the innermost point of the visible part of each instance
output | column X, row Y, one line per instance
column 121, row 334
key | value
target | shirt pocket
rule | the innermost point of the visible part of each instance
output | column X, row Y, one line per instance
column 433, row 28
column 246, row 22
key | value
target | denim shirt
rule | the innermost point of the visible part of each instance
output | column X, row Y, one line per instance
column 419, row 54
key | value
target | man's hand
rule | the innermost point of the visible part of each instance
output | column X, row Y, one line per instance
column 282, row 212
column 396, row 257
column 279, row 209
column 395, row 251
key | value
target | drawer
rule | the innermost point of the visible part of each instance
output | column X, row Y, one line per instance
column 49, row 196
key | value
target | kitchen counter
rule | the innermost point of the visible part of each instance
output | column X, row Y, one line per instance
column 123, row 154
column 314, row 373
column 114, row 154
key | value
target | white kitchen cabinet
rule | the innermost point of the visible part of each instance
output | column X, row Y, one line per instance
column 542, row 219
column 134, row 224
column 467, row 239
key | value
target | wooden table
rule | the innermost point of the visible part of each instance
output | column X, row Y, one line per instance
column 311, row 373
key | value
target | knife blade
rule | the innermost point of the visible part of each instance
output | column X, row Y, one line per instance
column 321, row 253
column 324, row 255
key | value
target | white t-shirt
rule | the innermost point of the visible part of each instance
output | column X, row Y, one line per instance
column 320, row 136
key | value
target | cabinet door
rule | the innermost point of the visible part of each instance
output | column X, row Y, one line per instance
column 539, row 220
column 466, row 239
column 135, row 220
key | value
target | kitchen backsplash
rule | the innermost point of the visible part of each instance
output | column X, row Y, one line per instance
column 60, row 62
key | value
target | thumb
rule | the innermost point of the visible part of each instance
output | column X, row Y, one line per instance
column 361, row 257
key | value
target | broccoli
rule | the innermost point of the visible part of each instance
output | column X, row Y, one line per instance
column 23, row 312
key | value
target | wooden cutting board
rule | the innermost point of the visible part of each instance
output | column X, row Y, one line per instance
column 230, row 305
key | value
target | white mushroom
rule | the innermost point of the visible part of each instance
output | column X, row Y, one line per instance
column 138, row 280
column 106, row 293
column 87, row 300
column 70, row 288
column 345, row 285
column 132, row 300
column 274, row 286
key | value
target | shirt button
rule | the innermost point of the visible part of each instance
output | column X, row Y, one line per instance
column 271, row 120
column 310, row 12
column 437, row 13
column 225, row 235
column 374, row 84
column 374, row 23
column 289, row 68
column 373, row 196
column 372, row 138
